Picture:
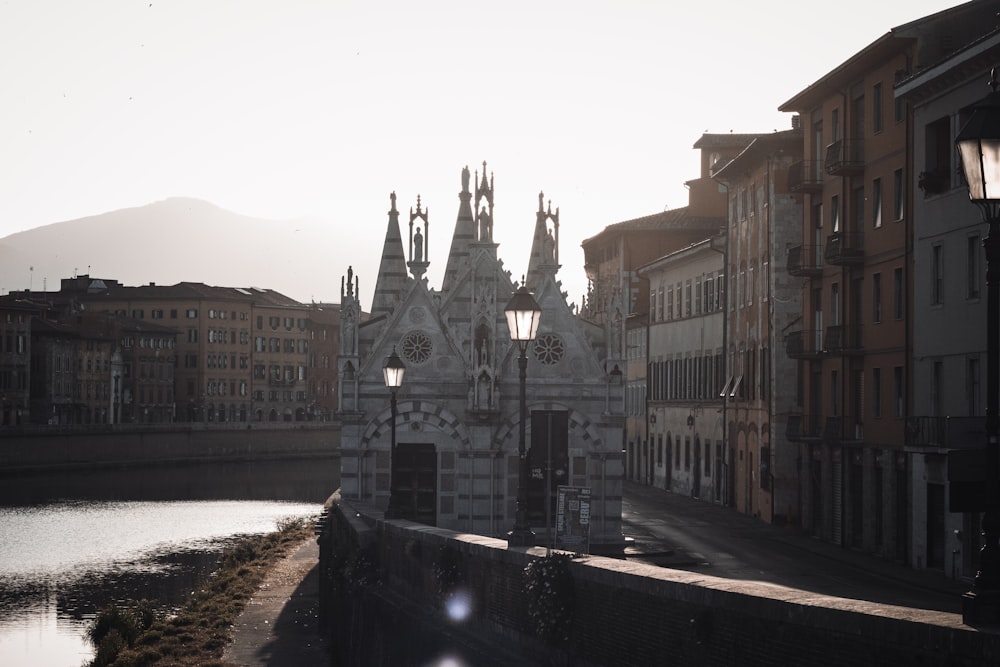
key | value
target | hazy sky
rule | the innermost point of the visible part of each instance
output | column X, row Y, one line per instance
column 320, row 109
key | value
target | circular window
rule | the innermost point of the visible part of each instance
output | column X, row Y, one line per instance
column 417, row 347
column 549, row 349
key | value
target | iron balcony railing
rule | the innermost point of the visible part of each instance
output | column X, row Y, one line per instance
column 804, row 344
column 843, row 339
column 946, row 432
column 805, row 260
column 803, row 428
column 845, row 156
column 806, row 176
column 844, row 248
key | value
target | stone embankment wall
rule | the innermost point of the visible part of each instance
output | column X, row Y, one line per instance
column 385, row 587
column 54, row 447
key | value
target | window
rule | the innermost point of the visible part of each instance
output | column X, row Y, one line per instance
column 750, row 286
column 972, row 386
column 670, row 303
column 898, row 209
column 687, row 453
column 876, row 392
column 877, row 203
column 937, row 379
column 191, row 314
column 137, row 314
column 876, row 297
column 835, row 213
column 897, row 391
column 936, row 176
column 937, row 274
column 697, row 297
column 687, row 299
column 972, row 254
column 877, row 107
column 897, row 293
column 765, row 280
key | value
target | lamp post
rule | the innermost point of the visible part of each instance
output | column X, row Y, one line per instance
column 523, row 313
column 978, row 145
column 393, row 372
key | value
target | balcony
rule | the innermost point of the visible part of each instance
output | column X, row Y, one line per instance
column 946, row 432
column 845, row 248
column 804, row 344
column 806, row 176
column 845, row 157
column 844, row 340
column 805, row 260
column 803, row 428
column 844, row 430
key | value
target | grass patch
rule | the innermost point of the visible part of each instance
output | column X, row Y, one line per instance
column 138, row 634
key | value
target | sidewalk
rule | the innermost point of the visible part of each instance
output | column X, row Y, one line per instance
column 279, row 626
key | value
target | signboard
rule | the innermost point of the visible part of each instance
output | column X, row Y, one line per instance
column 573, row 518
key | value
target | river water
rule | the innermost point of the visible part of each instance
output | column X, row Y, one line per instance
column 74, row 542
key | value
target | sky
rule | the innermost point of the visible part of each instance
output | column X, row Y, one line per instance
column 318, row 110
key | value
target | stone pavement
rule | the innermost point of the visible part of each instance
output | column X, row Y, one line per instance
column 279, row 626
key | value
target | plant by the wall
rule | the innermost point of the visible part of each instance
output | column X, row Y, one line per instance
column 551, row 597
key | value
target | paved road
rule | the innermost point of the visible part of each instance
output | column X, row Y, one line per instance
column 676, row 531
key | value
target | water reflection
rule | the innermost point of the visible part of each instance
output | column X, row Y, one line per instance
column 71, row 543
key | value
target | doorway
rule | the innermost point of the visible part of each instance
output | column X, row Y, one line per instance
column 548, row 461
column 414, row 475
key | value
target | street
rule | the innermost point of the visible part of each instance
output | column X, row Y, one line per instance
column 675, row 531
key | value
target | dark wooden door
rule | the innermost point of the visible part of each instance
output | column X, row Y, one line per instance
column 548, row 462
column 414, row 474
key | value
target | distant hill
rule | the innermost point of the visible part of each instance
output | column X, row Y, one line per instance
column 191, row 240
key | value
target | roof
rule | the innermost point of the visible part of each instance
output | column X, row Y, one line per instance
column 724, row 140
column 677, row 218
column 111, row 289
column 762, row 146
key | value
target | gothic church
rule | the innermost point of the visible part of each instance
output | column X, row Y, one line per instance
column 458, row 413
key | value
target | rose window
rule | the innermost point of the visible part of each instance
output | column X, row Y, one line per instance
column 417, row 347
column 549, row 349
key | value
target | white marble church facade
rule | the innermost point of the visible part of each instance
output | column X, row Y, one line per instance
column 458, row 411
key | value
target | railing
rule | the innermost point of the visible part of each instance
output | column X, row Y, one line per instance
column 801, row 428
column 843, row 339
column 844, row 248
column 846, row 156
column 803, row 344
column 946, row 432
column 843, row 429
column 805, row 176
column 804, row 260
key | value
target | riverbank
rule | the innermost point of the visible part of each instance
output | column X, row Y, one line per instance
column 200, row 630
column 65, row 448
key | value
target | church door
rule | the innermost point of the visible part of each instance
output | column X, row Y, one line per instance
column 548, row 461
column 414, row 475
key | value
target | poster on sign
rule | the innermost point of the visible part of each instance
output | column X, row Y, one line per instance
column 573, row 519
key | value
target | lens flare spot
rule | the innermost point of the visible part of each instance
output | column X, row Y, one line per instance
column 458, row 606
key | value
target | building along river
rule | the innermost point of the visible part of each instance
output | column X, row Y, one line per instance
column 73, row 542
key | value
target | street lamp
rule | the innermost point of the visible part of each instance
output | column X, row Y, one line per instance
column 393, row 372
column 523, row 313
column 978, row 145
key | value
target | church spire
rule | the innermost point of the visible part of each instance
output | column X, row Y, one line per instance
column 544, row 256
column 484, row 218
column 392, row 278
column 465, row 234
column 419, row 243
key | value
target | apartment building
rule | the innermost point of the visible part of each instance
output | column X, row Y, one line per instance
column 15, row 363
column 949, row 306
column 765, row 218
column 856, row 265
column 618, row 295
column 240, row 354
column 685, row 360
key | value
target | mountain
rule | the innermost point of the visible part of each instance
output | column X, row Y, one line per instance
column 181, row 239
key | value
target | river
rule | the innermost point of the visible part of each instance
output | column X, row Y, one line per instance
column 74, row 541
